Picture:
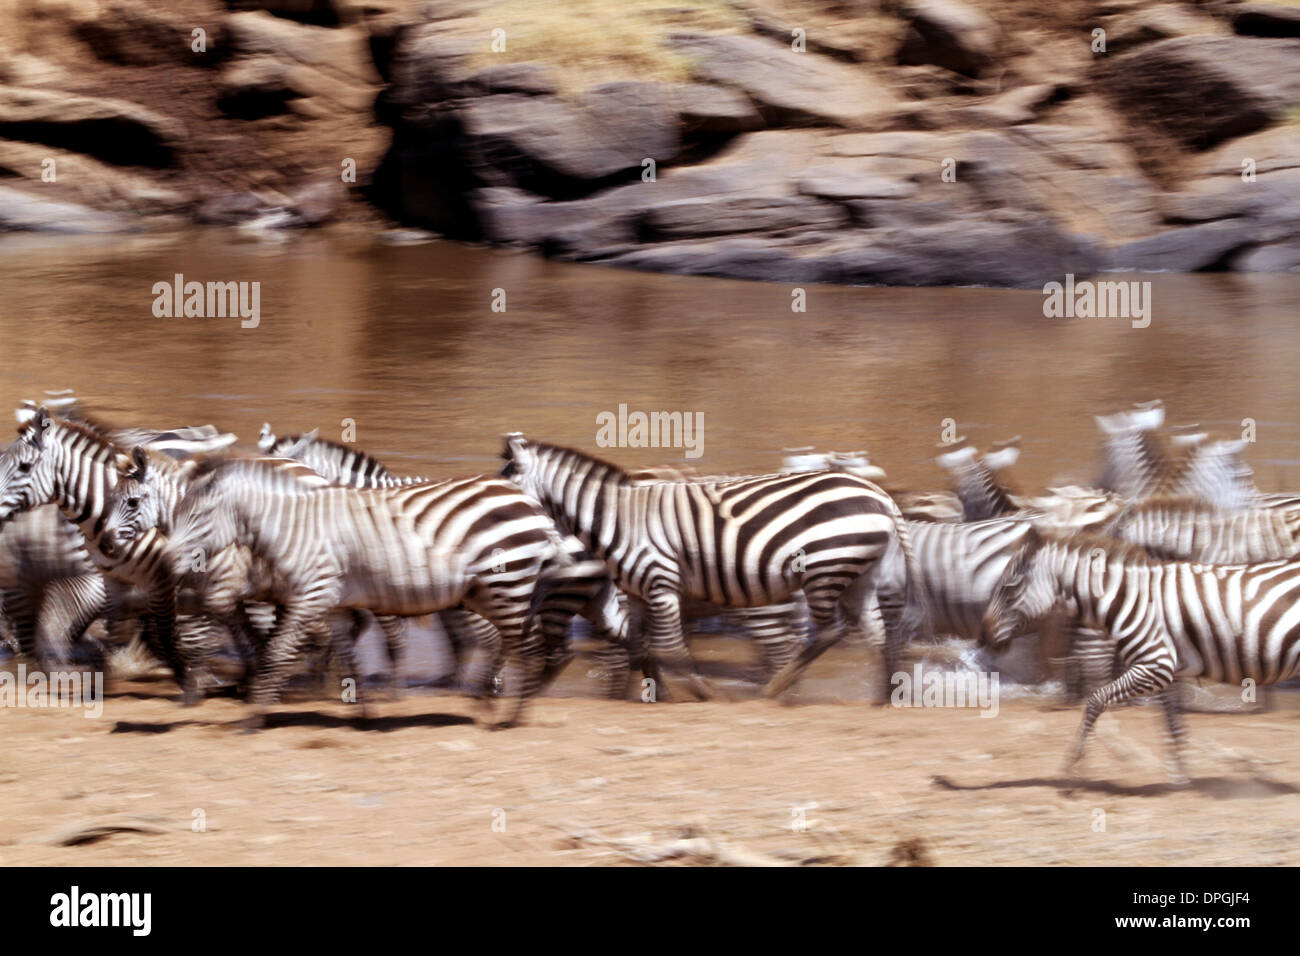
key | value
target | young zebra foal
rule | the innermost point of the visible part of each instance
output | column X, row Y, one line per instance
column 1168, row 619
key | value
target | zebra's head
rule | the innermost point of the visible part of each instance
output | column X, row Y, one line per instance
column 520, row 461
column 26, row 476
column 133, row 505
column 1025, row 594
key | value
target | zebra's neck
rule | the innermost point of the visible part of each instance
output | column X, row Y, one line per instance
column 583, row 495
column 1121, row 594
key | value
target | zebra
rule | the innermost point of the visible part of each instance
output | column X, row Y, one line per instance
column 352, row 467
column 1168, row 618
column 981, row 494
column 738, row 542
column 1187, row 529
column 405, row 551
column 73, row 465
column 1137, row 462
column 952, row 568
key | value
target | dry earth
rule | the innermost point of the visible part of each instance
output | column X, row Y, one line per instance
column 599, row 782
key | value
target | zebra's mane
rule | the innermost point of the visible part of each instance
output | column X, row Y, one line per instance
column 288, row 441
column 212, row 469
column 568, row 455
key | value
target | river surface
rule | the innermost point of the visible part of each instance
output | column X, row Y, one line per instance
column 402, row 344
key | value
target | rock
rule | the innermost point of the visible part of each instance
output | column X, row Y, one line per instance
column 1152, row 24
column 1020, row 105
column 738, row 258
column 86, row 181
column 1265, row 20
column 1203, row 90
column 892, row 214
column 136, row 34
column 530, row 79
column 968, row 251
column 22, row 69
column 1204, row 206
column 950, row 34
column 839, row 186
column 1188, row 249
column 547, row 146
column 256, row 86
column 316, row 203
column 715, row 216
column 112, row 130
column 712, row 109
column 230, row 209
column 1274, row 257
column 22, row 211
column 788, row 88
column 343, row 52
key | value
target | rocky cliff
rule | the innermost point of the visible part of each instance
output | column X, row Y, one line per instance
column 927, row 142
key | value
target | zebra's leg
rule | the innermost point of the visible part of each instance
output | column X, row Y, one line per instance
column 1172, row 699
column 71, row 605
column 295, row 624
column 21, row 606
column 668, row 644
column 828, row 630
column 1089, row 662
column 394, row 629
column 1137, row 681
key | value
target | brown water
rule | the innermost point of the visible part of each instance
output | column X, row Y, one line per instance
column 403, row 340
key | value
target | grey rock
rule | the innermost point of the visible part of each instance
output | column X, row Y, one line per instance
column 789, row 89
column 1188, row 249
column 697, row 218
column 950, row 34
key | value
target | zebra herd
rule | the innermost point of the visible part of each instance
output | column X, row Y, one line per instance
column 1174, row 566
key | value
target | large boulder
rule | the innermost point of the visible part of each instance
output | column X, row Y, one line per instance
column 138, row 34
column 950, row 34
column 789, row 88
column 548, row 146
column 1201, row 90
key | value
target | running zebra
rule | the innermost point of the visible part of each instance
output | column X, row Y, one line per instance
column 982, row 495
column 739, row 542
column 1184, row 529
column 1168, row 619
column 403, row 551
column 465, row 630
column 73, row 465
column 961, row 568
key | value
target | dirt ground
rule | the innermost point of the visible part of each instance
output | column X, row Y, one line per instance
column 602, row 782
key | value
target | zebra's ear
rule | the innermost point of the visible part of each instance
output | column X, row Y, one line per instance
column 141, row 461
column 39, row 422
column 266, row 439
